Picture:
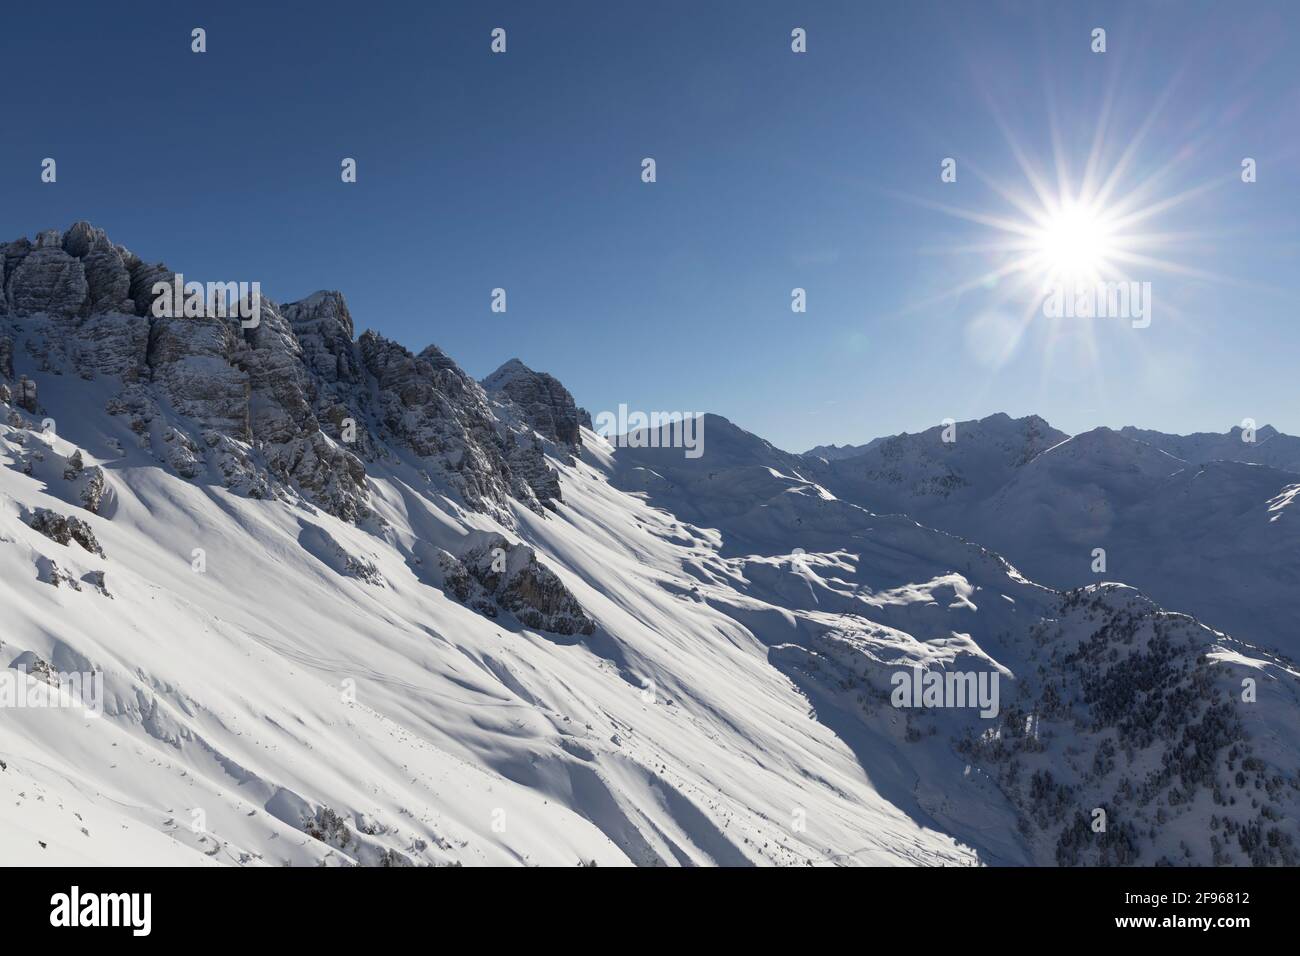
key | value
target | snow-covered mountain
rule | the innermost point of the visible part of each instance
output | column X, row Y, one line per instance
column 1214, row 537
column 836, row 452
column 1264, row 446
column 939, row 470
column 350, row 606
column 1086, row 668
column 1219, row 539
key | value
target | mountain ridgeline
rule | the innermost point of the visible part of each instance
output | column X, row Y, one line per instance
column 316, row 401
column 1203, row 523
column 348, row 606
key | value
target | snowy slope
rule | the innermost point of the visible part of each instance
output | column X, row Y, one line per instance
column 1213, row 537
column 226, row 694
column 707, row 714
column 351, row 607
column 1266, row 446
column 1220, row 540
column 1109, row 702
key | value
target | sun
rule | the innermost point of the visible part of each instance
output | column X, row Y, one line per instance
column 1074, row 242
column 1081, row 215
column 1100, row 211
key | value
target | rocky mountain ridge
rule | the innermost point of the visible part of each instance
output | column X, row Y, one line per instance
column 294, row 405
column 360, row 609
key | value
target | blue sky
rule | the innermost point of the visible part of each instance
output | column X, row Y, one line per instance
column 775, row 171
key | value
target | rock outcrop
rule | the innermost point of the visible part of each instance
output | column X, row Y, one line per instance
column 78, row 272
column 88, row 482
column 25, row 395
column 295, row 406
column 65, row 530
column 47, row 279
column 499, row 575
column 546, row 405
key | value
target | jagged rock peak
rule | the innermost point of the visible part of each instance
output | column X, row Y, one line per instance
column 324, row 312
column 546, row 404
column 290, row 404
column 78, row 272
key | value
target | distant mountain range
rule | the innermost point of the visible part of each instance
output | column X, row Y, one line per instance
column 1204, row 523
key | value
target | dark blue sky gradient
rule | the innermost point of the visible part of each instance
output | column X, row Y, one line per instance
column 775, row 171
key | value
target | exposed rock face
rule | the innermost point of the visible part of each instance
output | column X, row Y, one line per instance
column 336, row 382
column 51, row 573
column 89, row 482
column 72, row 471
column 527, row 459
column 64, row 530
column 78, row 272
column 282, row 421
column 328, row 475
column 143, row 278
column 192, row 364
column 546, row 405
column 108, row 279
column 92, row 491
column 35, row 667
column 291, row 406
column 6, row 358
column 11, row 255
column 6, row 354
column 272, row 359
column 540, row 418
column 47, row 279
column 80, row 239
column 96, row 580
column 110, row 343
column 25, row 395
column 379, row 400
column 508, row 576
column 429, row 406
